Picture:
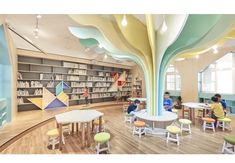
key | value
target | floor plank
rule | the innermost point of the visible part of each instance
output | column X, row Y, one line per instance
column 122, row 141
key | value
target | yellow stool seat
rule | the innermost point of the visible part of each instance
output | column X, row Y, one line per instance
column 173, row 129
column 224, row 120
column 209, row 120
column 174, row 110
column 139, row 123
column 53, row 133
column 185, row 121
column 96, row 122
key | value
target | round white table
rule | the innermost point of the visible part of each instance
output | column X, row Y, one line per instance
column 165, row 117
column 136, row 98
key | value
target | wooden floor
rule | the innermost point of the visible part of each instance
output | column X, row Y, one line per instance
column 23, row 121
column 122, row 141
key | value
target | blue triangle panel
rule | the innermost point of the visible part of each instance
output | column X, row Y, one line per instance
column 65, row 86
column 55, row 104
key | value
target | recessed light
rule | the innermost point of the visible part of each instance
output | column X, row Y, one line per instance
column 124, row 21
column 180, row 59
column 39, row 16
column 105, row 56
column 100, row 46
column 197, row 56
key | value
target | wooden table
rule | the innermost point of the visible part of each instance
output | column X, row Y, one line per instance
column 78, row 116
column 192, row 106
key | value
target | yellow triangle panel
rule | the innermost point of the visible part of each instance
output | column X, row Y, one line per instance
column 63, row 98
column 36, row 101
column 47, row 98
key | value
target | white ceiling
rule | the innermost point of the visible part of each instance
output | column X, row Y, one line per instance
column 54, row 36
column 157, row 19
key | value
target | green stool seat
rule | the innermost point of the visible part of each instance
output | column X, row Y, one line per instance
column 185, row 121
column 102, row 137
column 230, row 139
column 129, row 115
column 224, row 120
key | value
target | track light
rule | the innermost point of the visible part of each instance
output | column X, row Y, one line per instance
column 124, row 21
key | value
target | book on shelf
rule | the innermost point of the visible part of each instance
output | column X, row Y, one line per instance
column 41, row 76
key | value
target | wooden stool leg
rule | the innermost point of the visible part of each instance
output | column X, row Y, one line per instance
column 88, row 135
column 72, row 128
column 83, row 135
column 77, row 128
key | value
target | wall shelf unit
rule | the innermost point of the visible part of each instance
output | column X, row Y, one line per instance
column 43, row 72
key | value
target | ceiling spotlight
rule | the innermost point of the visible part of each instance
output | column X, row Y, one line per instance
column 105, row 56
column 164, row 26
column 215, row 49
column 197, row 56
column 35, row 36
column 100, row 46
column 124, row 21
column 180, row 59
column 36, row 30
column 39, row 16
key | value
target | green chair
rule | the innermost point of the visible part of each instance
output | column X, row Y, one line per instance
column 225, row 123
column 102, row 139
column 229, row 144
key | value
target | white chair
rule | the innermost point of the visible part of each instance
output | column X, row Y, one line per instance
column 102, row 142
column 229, row 144
column 208, row 123
column 185, row 125
column 128, row 118
column 173, row 134
column 139, row 128
column 224, row 123
column 53, row 137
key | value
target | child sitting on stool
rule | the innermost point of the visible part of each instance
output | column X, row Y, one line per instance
column 223, row 103
column 216, row 109
column 167, row 102
column 133, row 108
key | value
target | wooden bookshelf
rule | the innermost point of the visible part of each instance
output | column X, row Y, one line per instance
column 45, row 71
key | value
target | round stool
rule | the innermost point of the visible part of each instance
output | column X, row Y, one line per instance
column 102, row 138
column 229, row 144
column 185, row 125
column 208, row 123
column 173, row 134
column 53, row 137
column 139, row 128
column 225, row 123
column 128, row 118
column 96, row 124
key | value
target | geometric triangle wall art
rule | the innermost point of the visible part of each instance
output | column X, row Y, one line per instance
column 56, row 103
column 49, row 100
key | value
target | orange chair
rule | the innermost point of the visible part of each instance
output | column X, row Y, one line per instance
column 139, row 128
column 208, row 123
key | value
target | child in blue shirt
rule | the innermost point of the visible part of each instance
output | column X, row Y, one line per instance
column 132, row 107
column 167, row 102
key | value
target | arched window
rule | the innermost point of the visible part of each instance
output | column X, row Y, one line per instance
column 218, row 76
column 172, row 79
